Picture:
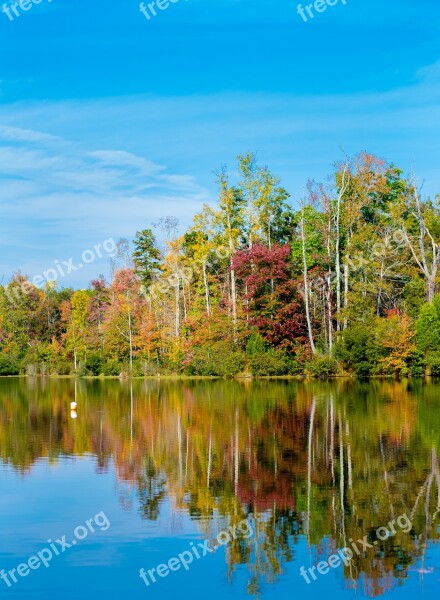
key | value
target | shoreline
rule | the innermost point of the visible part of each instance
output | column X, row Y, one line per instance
column 218, row 378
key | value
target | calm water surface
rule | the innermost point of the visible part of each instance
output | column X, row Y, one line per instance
column 171, row 464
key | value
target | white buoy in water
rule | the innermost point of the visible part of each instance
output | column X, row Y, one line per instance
column 73, row 414
column 73, row 406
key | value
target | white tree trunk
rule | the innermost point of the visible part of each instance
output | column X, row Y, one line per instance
column 205, row 281
column 306, row 284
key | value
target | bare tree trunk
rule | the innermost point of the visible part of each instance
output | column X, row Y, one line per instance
column 329, row 310
column 177, row 308
column 184, row 300
column 338, row 282
column 233, row 280
column 328, row 292
column 234, row 299
column 379, row 293
column 205, row 281
column 233, row 289
column 346, row 275
column 431, row 289
column 342, row 190
column 428, row 267
column 130, row 339
column 306, row 283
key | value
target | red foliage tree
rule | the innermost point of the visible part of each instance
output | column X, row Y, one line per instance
column 273, row 303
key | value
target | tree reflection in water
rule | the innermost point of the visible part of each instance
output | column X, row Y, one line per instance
column 321, row 462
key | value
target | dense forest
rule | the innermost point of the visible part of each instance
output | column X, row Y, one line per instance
column 340, row 281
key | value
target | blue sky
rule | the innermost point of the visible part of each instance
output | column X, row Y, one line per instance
column 109, row 121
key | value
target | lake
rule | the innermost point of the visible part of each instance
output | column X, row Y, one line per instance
column 241, row 489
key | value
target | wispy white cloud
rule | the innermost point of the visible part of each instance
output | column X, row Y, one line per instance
column 59, row 198
column 24, row 135
column 121, row 159
column 73, row 172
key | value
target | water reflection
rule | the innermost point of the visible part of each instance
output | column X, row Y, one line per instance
column 326, row 463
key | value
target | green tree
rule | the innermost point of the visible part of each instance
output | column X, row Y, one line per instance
column 428, row 334
column 146, row 256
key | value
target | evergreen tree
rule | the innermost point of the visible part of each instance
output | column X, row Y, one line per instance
column 146, row 256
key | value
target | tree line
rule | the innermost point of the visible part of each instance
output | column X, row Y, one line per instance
column 340, row 281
